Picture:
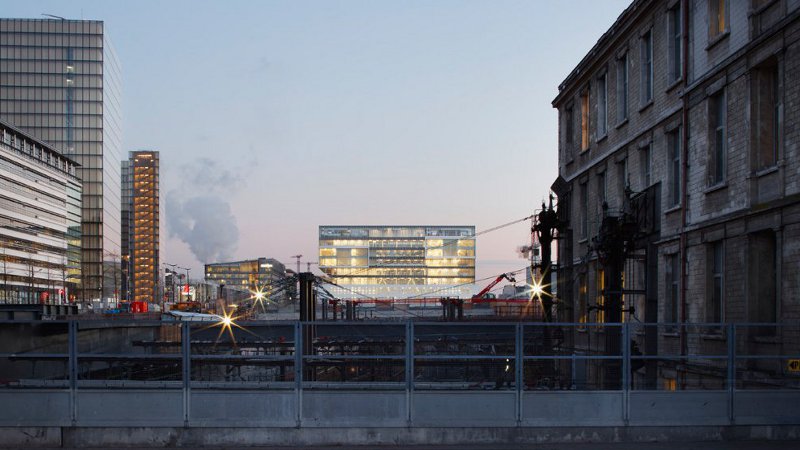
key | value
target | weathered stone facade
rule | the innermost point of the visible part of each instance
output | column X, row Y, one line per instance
column 711, row 126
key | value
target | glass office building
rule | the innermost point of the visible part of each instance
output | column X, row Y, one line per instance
column 60, row 82
column 252, row 275
column 142, row 227
column 40, row 206
column 398, row 262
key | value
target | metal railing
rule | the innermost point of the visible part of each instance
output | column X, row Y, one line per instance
column 399, row 373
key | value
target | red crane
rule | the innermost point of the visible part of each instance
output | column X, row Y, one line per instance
column 480, row 295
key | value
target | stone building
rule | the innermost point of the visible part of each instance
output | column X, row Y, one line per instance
column 682, row 122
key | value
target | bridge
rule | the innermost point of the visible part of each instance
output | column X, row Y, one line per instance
column 151, row 382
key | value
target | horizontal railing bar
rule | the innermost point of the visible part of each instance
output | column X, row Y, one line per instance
column 241, row 358
column 568, row 357
column 114, row 356
column 366, row 385
column 689, row 357
column 35, row 355
column 277, row 385
column 100, row 384
column 288, row 324
column 319, row 357
column 463, row 357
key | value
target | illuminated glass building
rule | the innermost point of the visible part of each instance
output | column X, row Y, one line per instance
column 249, row 275
column 60, row 82
column 142, row 227
column 398, row 261
column 40, row 205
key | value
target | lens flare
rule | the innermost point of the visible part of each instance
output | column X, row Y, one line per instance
column 537, row 289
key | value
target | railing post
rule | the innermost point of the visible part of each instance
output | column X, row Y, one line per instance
column 72, row 348
column 626, row 372
column 519, row 356
column 731, row 369
column 298, row 371
column 409, row 370
column 186, row 373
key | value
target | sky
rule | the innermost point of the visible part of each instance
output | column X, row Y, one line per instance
column 273, row 118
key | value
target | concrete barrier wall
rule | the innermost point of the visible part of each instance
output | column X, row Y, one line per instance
column 351, row 407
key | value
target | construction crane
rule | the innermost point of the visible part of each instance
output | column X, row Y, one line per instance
column 480, row 295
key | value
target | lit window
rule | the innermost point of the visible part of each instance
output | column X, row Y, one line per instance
column 718, row 17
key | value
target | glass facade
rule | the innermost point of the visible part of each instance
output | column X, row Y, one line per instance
column 249, row 276
column 398, row 261
column 60, row 82
column 141, row 227
column 40, row 206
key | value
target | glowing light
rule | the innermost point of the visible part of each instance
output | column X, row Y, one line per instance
column 226, row 322
column 537, row 289
column 260, row 296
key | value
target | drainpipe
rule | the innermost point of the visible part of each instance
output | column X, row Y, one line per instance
column 684, row 174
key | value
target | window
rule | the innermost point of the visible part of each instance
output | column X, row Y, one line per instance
column 568, row 126
column 622, row 88
column 584, row 213
column 672, row 282
column 645, row 165
column 602, row 106
column 717, row 18
column 647, row 67
column 674, row 164
column 675, row 47
column 601, row 188
column 622, row 180
column 585, row 120
column 718, row 138
column 582, row 312
column 763, row 279
column 715, row 293
column 600, row 299
column 766, row 110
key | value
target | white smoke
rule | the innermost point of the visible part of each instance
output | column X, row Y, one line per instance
column 199, row 214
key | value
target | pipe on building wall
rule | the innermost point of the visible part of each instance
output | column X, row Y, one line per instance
column 685, row 172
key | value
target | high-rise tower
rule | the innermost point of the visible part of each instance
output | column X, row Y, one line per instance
column 141, row 227
column 60, row 82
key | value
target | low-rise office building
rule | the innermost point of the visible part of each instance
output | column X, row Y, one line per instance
column 40, row 221
column 266, row 275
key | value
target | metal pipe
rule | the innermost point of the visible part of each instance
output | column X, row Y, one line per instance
column 684, row 174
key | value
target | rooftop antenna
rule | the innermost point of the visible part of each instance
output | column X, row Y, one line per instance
column 54, row 17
